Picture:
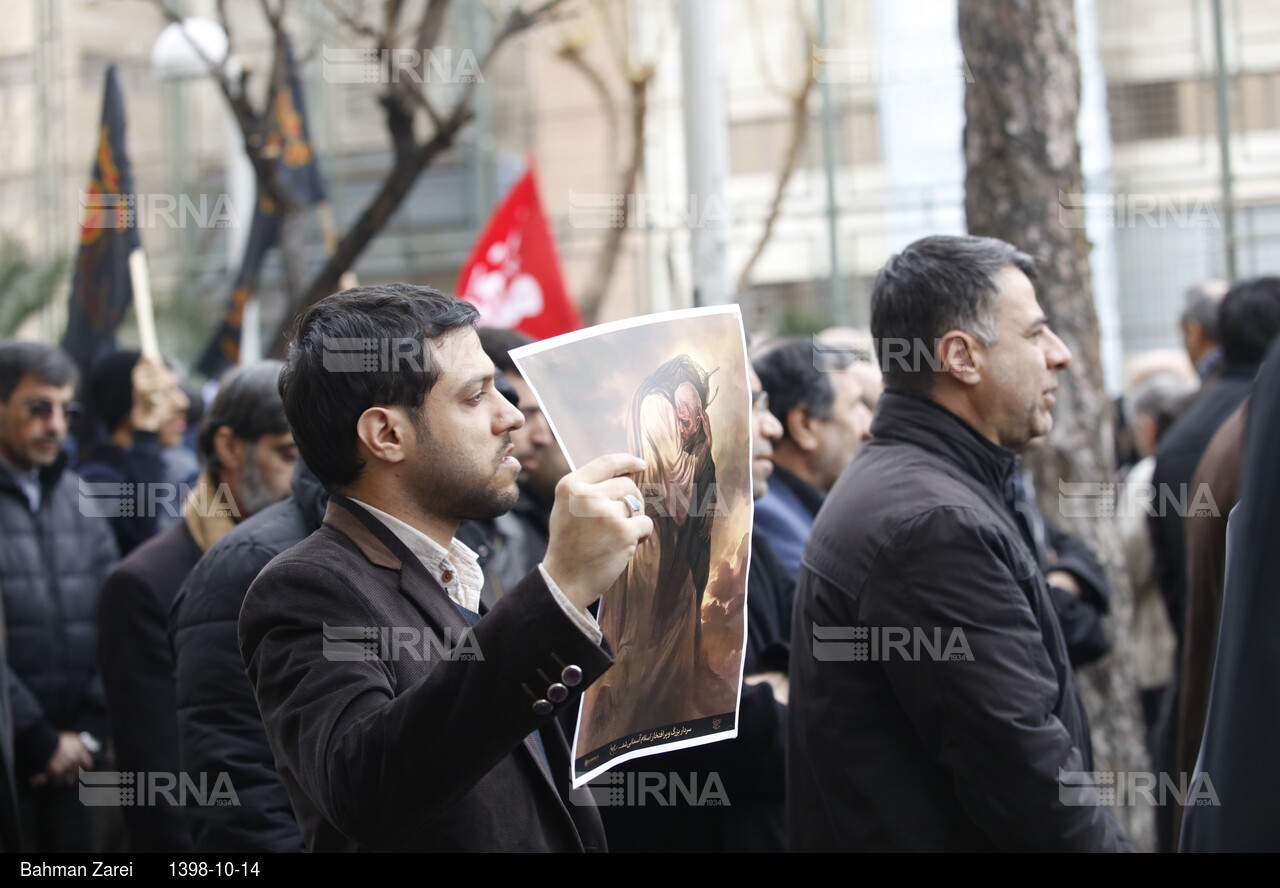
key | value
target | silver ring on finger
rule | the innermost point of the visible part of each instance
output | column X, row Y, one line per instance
column 634, row 504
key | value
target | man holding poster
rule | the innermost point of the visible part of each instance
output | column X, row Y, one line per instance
column 434, row 729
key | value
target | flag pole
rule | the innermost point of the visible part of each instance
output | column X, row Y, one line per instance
column 329, row 231
column 143, row 310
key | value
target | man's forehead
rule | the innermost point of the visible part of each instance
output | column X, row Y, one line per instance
column 1018, row 302
column 846, row 381
column 32, row 386
column 460, row 358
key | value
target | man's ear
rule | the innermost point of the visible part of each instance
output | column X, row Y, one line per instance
column 800, row 428
column 960, row 355
column 383, row 431
column 229, row 449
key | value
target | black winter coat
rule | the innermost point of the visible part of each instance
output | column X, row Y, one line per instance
column 52, row 564
column 932, row 702
column 219, row 728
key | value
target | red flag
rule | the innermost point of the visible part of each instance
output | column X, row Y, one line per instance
column 513, row 276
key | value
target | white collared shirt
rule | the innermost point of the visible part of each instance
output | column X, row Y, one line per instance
column 457, row 570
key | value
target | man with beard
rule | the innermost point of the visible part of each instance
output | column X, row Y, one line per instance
column 248, row 455
column 434, row 729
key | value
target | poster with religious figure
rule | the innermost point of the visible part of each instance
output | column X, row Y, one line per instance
column 672, row 389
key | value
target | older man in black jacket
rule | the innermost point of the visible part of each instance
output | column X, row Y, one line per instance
column 932, row 701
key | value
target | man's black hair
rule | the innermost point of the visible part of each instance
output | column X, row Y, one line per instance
column 1248, row 319
column 796, row 374
column 109, row 390
column 498, row 342
column 361, row 348
column 937, row 284
column 47, row 363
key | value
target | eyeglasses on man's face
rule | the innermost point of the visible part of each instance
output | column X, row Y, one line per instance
column 43, row 408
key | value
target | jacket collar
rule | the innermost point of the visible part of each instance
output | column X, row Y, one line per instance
column 927, row 424
column 383, row 548
column 48, row 475
column 309, row 493
column 809, row 496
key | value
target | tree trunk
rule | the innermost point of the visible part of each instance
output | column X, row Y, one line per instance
column 1021, row 151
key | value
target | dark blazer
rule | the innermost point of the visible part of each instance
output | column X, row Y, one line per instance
column 404, row 748
column 1206, row 541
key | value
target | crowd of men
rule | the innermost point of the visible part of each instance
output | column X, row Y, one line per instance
column 180, row 605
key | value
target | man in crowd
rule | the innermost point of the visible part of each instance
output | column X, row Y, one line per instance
column 137, row 409
column 52, row 564
column 520, row 536
column 1199, row 326
column 933, row 706
column 219, row 726
column 1248, row 319
column 427, row 752
column 248, row 454
column 825, row 417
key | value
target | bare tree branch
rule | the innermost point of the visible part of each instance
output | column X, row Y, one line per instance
column 410, row 160
column 799, row 99
column 431, row 23
column 572, row 55
column 352, row 23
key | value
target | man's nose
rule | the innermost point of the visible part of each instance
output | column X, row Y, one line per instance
column 864, row 421
column 539, row 430
column 770, row 427
column 59, row 422
column 509, row 418
column 1057, row 355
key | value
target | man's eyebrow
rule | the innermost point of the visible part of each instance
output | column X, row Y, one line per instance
column 1042, row 321
column 478, row 379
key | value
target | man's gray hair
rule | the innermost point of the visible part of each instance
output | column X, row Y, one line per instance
column 249, row 403
column 1201, row 305
column 937, row 284
column 1162, row 396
